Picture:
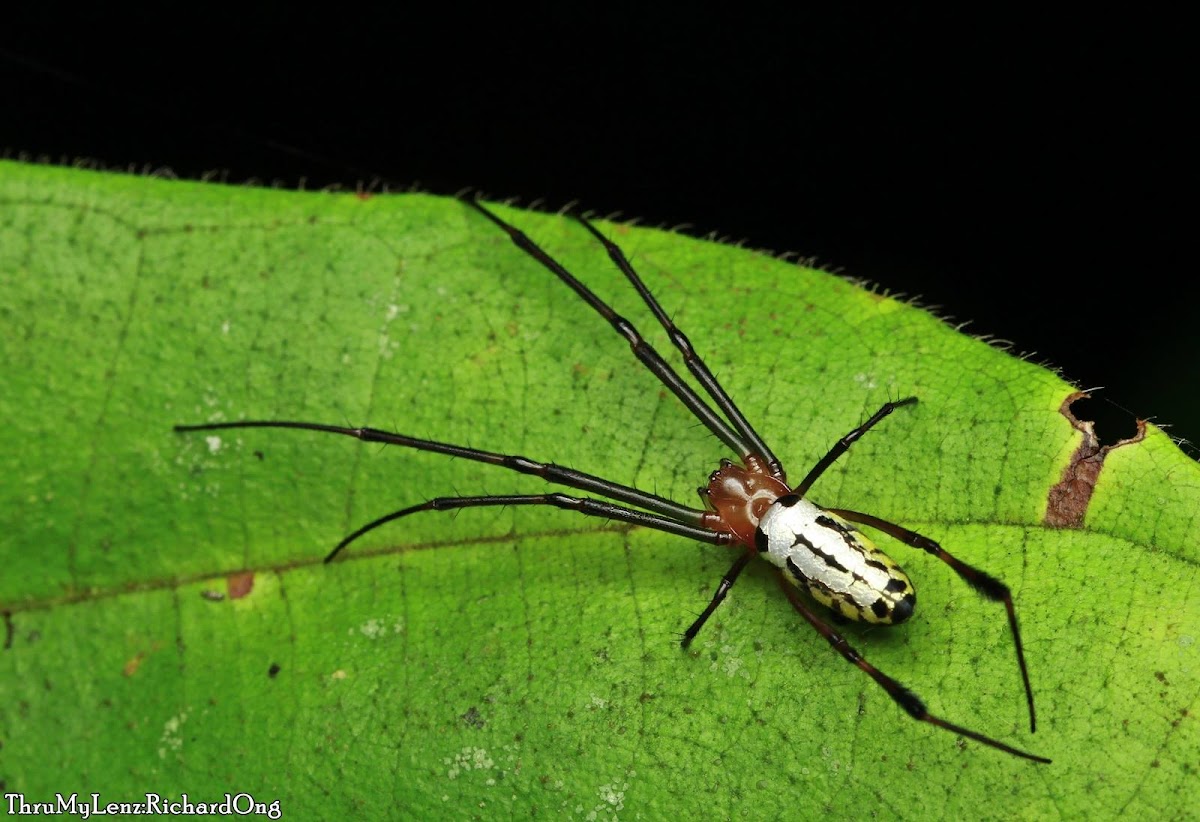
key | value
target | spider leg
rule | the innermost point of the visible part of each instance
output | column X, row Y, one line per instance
column 641, row 349
column 585, row 506
column 842, row 445
column 726, row 583
column 981, row 581
column 903, row 697
column 547, row 471
column 690, row 358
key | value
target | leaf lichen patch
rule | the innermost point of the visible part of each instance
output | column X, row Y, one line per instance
column 1068, row 500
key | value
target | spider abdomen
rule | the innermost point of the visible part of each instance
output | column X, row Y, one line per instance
column 820, row 553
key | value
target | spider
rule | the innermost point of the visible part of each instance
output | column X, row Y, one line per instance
column 748, row 505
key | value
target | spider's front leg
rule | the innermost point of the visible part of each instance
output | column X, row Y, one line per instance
column 726, row 583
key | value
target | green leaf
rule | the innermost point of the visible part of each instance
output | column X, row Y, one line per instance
column 509, row 662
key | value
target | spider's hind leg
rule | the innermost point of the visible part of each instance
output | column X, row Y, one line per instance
column 981, row 581
column 902, row 696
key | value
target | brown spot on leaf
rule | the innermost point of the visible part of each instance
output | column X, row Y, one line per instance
column 133, row 664
column 274, row 670
column 9, row 630
column 473, row 718
column 240, row 584
column 1068, row 501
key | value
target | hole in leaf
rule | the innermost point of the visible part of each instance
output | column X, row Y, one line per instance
column 1111, row 422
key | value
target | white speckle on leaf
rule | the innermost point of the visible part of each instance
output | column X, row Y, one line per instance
column 614, row 795
column 225, row 327
column 612, row 799
column 731, row 662
column 214, row 444
column 171, row 740
column 865, row 381
column 470, row 759
column 390, row 314
column 377, row 627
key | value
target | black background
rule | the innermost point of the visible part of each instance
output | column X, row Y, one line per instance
column 1028, row 173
